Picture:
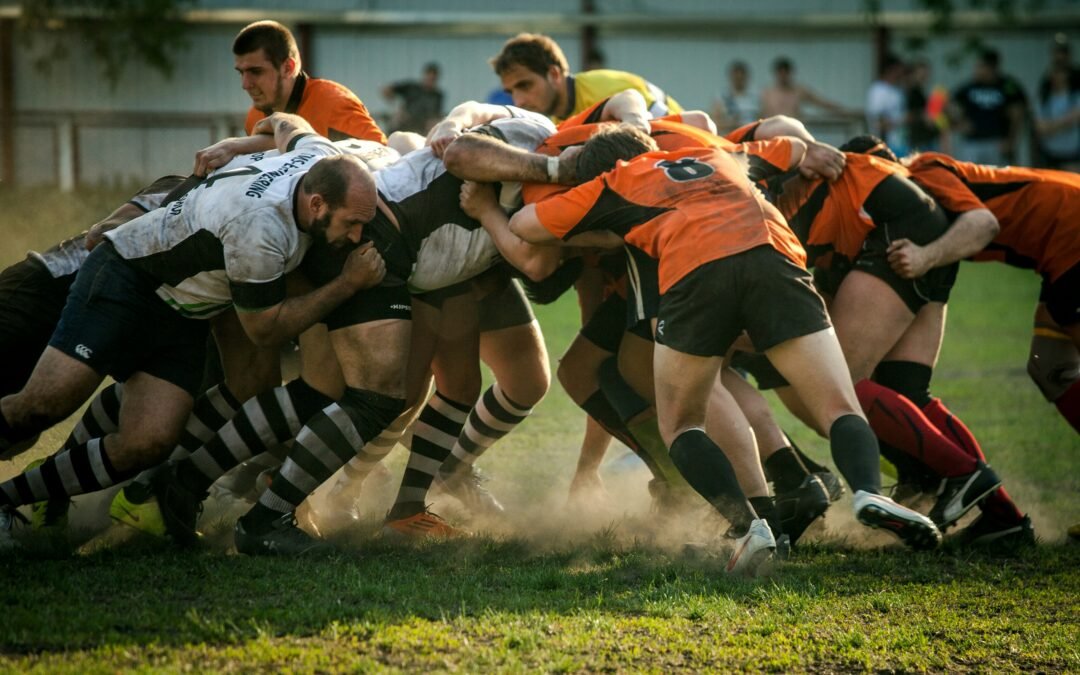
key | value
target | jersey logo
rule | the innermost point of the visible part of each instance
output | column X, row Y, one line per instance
column 83, row 351
column 685, row 169
column 660, row 327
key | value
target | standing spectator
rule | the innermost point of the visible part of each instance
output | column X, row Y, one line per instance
column 885, row 106
column 988, row 113
column 786, row 96
column 595, row 60
column 926, row 119
column 1057, row 121
column 420, row 103
column 736, row 106
column 1060, row 55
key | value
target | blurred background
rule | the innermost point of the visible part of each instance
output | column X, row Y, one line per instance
column 110, row 93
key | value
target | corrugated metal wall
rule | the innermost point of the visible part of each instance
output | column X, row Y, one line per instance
column 837, row 64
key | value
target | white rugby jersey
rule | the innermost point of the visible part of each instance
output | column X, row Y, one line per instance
column 68, row 256
column 375, row 155
column 448, row 246
column 230, row 240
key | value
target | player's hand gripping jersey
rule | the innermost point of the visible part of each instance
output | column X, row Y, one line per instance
column 1038, row 209
column 230, row 240
column 686, row 208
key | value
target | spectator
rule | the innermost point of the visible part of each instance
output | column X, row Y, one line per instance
column 885, row 106
column 988, row 113
column 1057, row 121
column 1060, row 55
column 926, row 121
column 595, row 60
column 737, row 106
column 786, row 97
column 420, row 104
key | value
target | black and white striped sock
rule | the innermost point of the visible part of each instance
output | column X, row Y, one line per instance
column 263, row 422
column 328, row 440
column 101, row 418
column 77, row 470
column 212, row 411
column 435, row 433
column 494, row 416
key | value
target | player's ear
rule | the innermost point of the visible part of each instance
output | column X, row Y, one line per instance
column 290, row 66
column 317, row 204
column 555, row 75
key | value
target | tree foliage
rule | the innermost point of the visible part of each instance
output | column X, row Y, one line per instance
column 118, row 32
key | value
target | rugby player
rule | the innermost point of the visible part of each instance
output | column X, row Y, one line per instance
column 657, row 202
column 420, row 217
column 534, row 71
column 135, row 309
column 847, row 227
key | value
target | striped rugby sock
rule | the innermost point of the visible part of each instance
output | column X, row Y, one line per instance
column 494, row 416
column 77, row 470
column 435, row 434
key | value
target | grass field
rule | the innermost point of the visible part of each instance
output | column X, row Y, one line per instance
column 603, row 587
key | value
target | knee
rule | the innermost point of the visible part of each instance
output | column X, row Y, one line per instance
column 529, row 386
column 29, row 410
column 1053, row 364
column 132, row 452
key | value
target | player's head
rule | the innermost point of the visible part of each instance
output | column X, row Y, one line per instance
column 533, row 70
column 608, row 145
column 268, row 62
column 738, row 75
column 986, row 67
column 340, row 193
column 431, row 74
column 868, row 144
column 783, row 69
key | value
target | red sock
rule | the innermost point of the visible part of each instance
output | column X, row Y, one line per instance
column 900, row 423
column 1068, row 404
column 955, row 430
column 998, row 504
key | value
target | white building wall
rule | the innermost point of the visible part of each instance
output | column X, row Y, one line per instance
column 839, row 65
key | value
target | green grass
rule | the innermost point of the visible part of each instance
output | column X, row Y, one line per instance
column 599, row 588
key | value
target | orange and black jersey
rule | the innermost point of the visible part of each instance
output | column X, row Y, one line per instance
column 1038, row 209
column 836, row 216
column 765, row 158
column 333, row 110
column 685, row 208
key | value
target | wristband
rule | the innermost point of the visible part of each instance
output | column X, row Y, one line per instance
column 553, row 169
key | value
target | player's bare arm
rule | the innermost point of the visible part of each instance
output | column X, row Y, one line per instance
column 364, row 268
column 536, row 262
column 968, row 235
column 487, row 160
column 822, row 160
column 464, row 116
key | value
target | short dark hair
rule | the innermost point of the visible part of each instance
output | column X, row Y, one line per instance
column 431, row 67
column 990, row 57
column 330, row 179
column 271, row 37
column 782, row 63
column 739, row 65
column 608, row 145
column 533, row 51
column 889, row 61
column 868, row 144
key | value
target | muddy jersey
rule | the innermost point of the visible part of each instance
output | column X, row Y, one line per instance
column 684, row 208
column 68, row 256
column 331, row 109
column 230, row 240
column 448, row 246
column 1038, row 209
column 374, row 155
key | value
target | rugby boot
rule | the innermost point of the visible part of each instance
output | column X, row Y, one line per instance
column 752, row 550
column 799, row 508
column 143, row 516
column 467, row 486
column 832, row 483
column 420, row 525
column 51, row 514
column 958, row 495
column 913, row 528
column 8, row 516
column 179, row 508
column 989, row 532
column 283, row 537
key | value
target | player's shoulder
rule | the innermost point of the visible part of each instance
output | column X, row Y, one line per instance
column 328, row 88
